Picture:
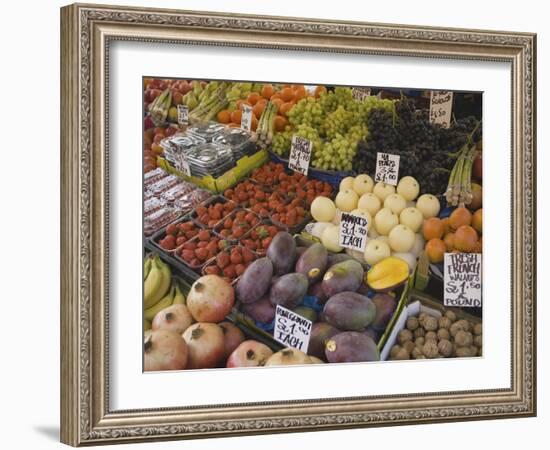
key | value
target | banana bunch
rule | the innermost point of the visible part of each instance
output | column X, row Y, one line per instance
column 159, row 290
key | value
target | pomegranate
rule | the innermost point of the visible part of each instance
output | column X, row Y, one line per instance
column 288, row 357
column 249, row 354
column 206, row 345
column 210, row 299
column 233, row 336
column 175, row 318
column 164, row 350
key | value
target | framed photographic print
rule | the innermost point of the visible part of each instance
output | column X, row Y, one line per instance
column 280, row 224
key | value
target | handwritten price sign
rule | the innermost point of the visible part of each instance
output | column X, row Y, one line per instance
column 246, row 118
column 291, row 329
column 353, row 232
column 441, row 106
column 360, row 93
column 387, row 168
column 462, row 280
column 300, row 154
column 183, row 115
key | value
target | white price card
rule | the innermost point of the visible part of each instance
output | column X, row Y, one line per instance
column 300, row 154
column 353, row 232
column 291, row 329
column 360, row 93
column 387, row 168
column 462, row 280
column 246, row 118
column 441, row 107
column 183, row 115
column 182, row 164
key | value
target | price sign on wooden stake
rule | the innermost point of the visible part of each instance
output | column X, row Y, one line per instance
column 441, row 107
column 387, row 168
column 246, row 118
column 183, row 115
column 300, row 154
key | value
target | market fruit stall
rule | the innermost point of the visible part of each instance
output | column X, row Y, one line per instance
column 294, row 224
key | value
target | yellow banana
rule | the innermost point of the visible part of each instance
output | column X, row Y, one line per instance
column 152, row 295
column 152, row 285
column 146, row 324
column 179, row 298
column 164, row 302
column 146, row 267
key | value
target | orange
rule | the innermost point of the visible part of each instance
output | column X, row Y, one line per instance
column 287, row 94
column 320, row 90
column 224, row 116
column 433, row 228
column 465, row 239
column 285, row 108
column 449, row 240
column 275, row 96
column 460, row 216
column 236, row 116
column 267, row 91
column 435, row 249
column 254, row 124
column 300, row 92
column 446, row 226
column 477, row 221
column 253, row 98
column 258, row 109
column 280, row 123
column 277, row 102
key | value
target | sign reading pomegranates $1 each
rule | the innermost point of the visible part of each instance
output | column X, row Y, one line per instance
column 291, row 329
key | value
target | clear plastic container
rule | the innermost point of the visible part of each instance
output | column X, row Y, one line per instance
column 152, row 204
column 160, row 218
column 164, row 184
column 240, row 142
column 178, row 191
column 176, row 145
column 207, row 131
column 210, row 159
column 153, row 176
column 192, row 199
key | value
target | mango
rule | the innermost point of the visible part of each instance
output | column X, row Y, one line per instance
column 255, row 281
column 385, row 307
column 313, row 263
column 344, row 276
column 351, row 346
column 282, row 253
column 261, row 310
column 335, row 258
column 288, row 290
column 316, row 290
column 306, row 312
column 349, row 311
column 320, row 332
column 387, row 274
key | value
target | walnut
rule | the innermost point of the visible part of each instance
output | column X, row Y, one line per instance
column 404, row 336
column 466, row 326
column 445, row 347
column 443, row 333
column 480, row 351
column 430, row 324
column 431, row 335
column 455, row 328
column 416, row 353
column 450, row 315
column 403, row 353
column 422, row 318
column 412, row 323
column 394, row 350
column 473, row 350
column 478, row 341
column 463, row 352
column 419, row 332
column 463, row 338
column 477, row 329
column 419, row 342
column 409, row 346
column 429, row 349
column 444, row 322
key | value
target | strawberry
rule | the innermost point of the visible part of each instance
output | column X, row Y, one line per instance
column 222, row 260
column 236, row 257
